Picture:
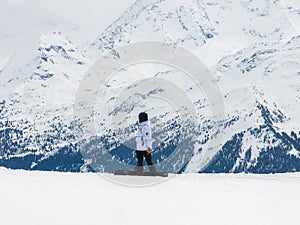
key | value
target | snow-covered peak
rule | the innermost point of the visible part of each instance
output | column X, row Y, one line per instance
column 264, row 69
column 49, row 90
column 186, row 23
column 240, row 24
column 55, row 43
column 56, row 53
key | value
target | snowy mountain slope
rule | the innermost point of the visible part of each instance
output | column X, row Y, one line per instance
column 251, row 47
column 173, row 22
column 52, row 84
column 265, row 42
column 242, row 23
column 292, row 9
column 169, row 128
column 269, row 67
column 36, row 120
column 215, row 28
column 263, row 118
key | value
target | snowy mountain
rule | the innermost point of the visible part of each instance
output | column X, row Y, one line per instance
column 262, row 122
column 252, row 49
column 173, row 22
column 36, row 117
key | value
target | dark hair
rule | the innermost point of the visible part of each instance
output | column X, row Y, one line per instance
column 143, row 117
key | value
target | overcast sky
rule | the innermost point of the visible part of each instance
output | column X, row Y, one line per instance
column 81, row 21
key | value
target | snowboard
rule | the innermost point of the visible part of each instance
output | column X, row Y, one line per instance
column 136, row 173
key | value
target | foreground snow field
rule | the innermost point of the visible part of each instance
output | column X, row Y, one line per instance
column 66, row 198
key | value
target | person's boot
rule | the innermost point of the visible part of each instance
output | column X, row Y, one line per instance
column 152, row 169
column 139, row 169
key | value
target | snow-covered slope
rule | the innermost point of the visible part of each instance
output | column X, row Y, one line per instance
column 36, row 117
column 66, row 198
column 250, row 56
column 185, row 23
column 250, row 47
column 262, row 116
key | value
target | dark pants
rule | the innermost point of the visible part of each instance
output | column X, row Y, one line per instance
column 140, row 157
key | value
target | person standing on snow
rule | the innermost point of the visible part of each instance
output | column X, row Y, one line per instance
column 144, row 143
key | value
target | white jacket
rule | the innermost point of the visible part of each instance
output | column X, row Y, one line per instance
column 143, row 138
